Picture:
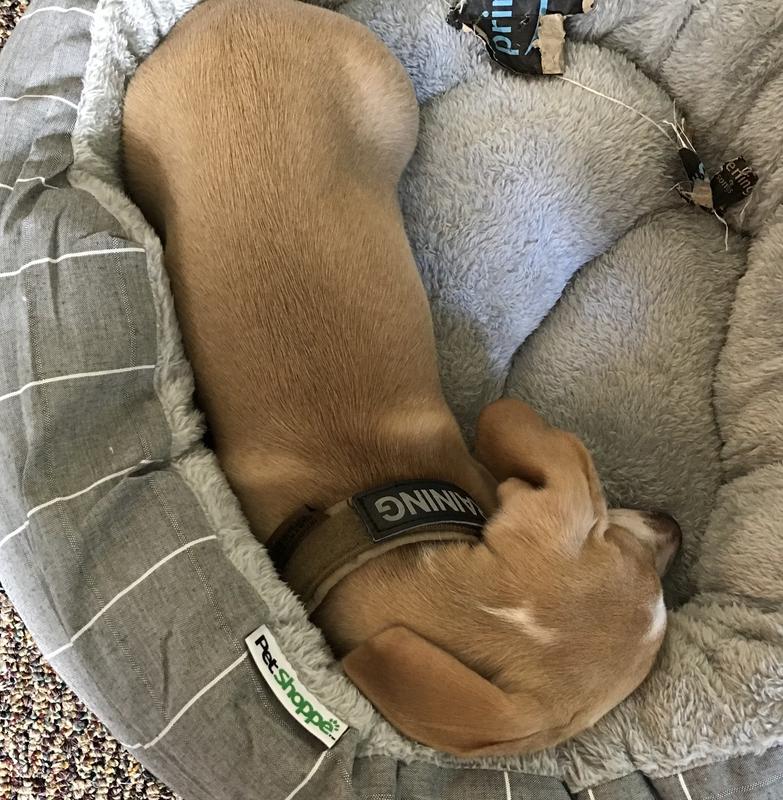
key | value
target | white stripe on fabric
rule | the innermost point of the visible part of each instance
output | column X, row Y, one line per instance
column 307, row 777
column 590, row 795
column 36, row 178
column 125, row 591
column 507, row 784
column 196, row 697
column 143, row 463
column 39, row 97
column 685, row 790
column 83, row 254
column 64, row 498
column 6, row 186
column 16, row 532
column 58, row 10
column 74, row 376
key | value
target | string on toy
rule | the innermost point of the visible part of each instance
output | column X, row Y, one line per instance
column 723, row 220
column 683, row 143
column 505, row 41
column 619, row 103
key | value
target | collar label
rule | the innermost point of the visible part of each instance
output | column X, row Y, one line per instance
column 403, row 507
column 297, row 700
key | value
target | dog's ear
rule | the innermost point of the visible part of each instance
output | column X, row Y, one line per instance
column 435, row 699
column 517, row 445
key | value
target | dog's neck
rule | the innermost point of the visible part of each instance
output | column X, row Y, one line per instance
column 430, row 446
column 318, row 548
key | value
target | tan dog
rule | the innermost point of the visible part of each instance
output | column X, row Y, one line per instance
column 265, row 139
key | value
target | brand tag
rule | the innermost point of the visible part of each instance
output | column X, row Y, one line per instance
column 402, row 507
column 694, row 166
column 522, row 35
column 733, row 183
column 297, row 700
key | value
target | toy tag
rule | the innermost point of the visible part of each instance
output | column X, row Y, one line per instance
column 733, row 183
column 525, row 36
column 694, row 166
column 700, row 192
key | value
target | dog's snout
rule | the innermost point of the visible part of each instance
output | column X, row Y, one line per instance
column 668, row 538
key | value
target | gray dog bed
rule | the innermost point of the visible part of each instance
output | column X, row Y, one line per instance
column 562, row 269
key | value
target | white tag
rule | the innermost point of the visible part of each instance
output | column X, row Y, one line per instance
column 297, row 700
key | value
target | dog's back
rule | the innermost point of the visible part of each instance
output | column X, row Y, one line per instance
column 271, row 171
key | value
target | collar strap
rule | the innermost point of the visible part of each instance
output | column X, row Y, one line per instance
column 314, row 550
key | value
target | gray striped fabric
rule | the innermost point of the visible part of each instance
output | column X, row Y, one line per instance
column 106, row 553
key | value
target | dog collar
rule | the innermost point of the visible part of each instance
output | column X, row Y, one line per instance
column 314, row 549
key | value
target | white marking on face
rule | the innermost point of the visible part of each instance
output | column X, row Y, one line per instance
column 523, row 618
column 658, row 623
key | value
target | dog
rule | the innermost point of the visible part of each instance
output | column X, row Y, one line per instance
column 264, row 140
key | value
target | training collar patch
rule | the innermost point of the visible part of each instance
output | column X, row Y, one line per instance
column 390, row 511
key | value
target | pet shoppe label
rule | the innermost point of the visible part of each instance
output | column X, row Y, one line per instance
column 295, row 698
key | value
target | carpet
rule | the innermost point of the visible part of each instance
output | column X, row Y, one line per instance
column 10, row 11
column 51, row 746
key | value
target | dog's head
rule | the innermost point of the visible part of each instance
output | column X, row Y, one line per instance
column 523, row 641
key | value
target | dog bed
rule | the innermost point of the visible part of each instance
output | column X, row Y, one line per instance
column 562, row 268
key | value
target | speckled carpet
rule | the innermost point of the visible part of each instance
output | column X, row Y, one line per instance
column 10, row 11
column 50, row 745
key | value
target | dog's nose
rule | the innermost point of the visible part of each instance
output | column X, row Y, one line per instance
column 668, row 538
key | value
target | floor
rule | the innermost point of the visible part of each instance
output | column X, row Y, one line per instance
column 10, row 11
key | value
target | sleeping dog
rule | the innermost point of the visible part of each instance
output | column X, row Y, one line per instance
column 486, row 603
